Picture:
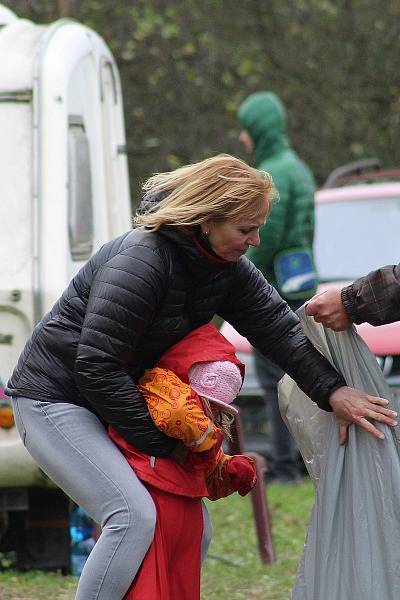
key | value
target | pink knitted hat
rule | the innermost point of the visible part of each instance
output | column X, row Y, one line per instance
column 219, row 381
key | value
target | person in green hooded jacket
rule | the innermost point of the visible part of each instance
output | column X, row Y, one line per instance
column 286, row 239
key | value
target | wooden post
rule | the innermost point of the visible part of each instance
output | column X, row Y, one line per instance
column 259, row 500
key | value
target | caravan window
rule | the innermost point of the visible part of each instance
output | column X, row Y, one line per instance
column 80, row 202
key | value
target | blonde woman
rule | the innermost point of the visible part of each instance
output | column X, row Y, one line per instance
column 137, row 296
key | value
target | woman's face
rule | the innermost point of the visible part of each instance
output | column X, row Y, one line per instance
column 231, row 239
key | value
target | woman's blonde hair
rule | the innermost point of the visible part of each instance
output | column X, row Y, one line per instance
column 222, row 188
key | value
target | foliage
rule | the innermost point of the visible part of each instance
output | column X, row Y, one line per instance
column 185, row 67
column 232, row 569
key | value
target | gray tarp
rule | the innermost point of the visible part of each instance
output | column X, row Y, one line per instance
column 352, row 549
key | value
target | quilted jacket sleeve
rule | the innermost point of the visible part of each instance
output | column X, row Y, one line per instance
column 124, row 296
column 374, row 298
column 258, row 313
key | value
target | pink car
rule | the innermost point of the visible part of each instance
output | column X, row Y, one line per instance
column 357, row 231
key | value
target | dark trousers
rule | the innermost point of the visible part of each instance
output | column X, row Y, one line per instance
column 284, row 460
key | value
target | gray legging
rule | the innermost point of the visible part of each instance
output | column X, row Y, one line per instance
column 72, row 447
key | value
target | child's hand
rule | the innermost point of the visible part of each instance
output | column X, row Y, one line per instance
column 242, row 474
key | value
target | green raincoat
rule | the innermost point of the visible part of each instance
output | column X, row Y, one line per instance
column 291, row 223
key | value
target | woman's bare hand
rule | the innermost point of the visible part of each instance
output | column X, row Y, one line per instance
column 327, row 308
column 354, row 406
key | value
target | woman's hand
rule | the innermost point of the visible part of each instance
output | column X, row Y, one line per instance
column 354, row 406
column 327, row 308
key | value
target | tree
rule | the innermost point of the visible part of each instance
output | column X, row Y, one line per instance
column 185, row 67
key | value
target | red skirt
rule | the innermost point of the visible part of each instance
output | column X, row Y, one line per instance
column 171, row 567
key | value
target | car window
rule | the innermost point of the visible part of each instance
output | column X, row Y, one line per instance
column 355, row 237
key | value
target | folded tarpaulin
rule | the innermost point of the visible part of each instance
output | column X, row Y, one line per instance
column 352, row 548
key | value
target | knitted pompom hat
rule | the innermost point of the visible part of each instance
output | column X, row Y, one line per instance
column 219, row 381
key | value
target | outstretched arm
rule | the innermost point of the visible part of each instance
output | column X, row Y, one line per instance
column 258, row 313
column 176, row 410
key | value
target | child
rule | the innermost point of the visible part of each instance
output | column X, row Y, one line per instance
column 189, row 395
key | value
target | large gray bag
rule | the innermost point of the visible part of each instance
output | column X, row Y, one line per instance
column 352, row 549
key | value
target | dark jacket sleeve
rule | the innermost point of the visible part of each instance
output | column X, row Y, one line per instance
column 258, row 312
column 375, row 298
column 124, row 297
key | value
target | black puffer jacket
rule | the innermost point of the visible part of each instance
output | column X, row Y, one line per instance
column 138, row 295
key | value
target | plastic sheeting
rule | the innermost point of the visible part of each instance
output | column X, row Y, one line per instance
column 352, row 549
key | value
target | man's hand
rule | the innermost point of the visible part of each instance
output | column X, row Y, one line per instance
column 354, row 406
column 327, row 308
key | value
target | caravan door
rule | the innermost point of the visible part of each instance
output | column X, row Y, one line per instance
column 84, row 196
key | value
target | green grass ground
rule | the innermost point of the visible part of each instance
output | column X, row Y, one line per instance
column 232, row 570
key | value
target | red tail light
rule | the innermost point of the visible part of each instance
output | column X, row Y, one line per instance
column 6, row 415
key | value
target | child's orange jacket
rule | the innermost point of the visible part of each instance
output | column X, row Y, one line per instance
column 177, row 411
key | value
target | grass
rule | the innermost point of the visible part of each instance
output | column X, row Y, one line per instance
column 232, row 570
column 36, row 585
column 244, row 577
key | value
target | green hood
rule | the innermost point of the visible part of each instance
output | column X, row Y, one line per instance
column 263, row 116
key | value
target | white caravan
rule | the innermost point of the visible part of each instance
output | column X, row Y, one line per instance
column 64, row 188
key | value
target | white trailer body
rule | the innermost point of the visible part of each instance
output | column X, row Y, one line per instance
column 64, row 187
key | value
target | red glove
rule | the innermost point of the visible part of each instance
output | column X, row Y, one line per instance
column 242, row 474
